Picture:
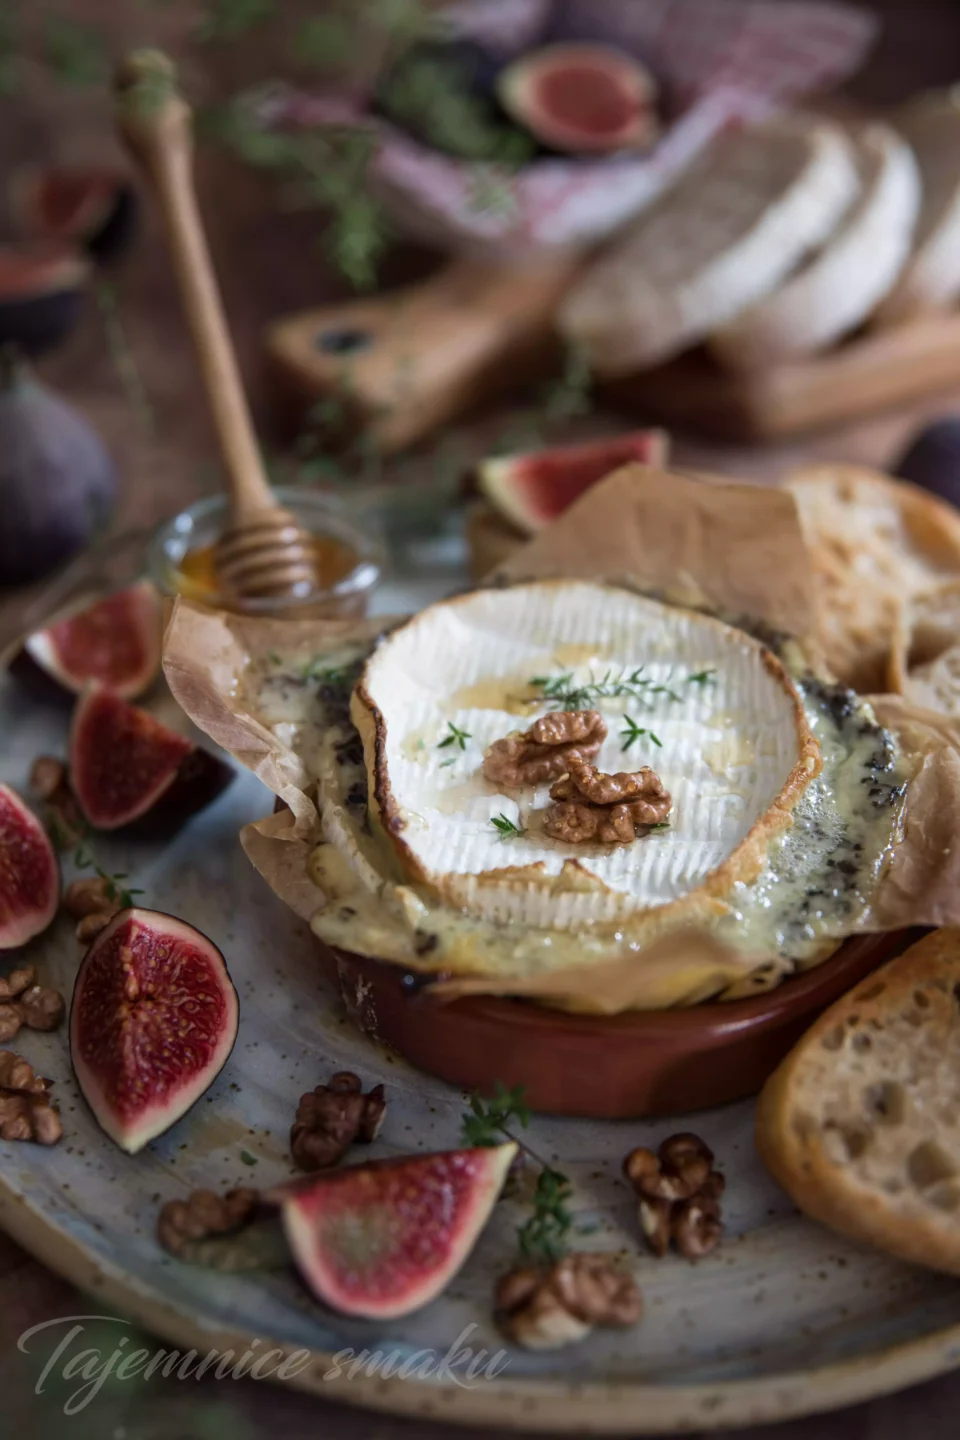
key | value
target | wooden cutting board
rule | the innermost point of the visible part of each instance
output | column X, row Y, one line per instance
column 871, row 372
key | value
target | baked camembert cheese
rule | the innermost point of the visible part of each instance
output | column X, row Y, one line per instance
column 780, row 795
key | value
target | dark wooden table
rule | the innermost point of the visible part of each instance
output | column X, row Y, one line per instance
column 268, row 266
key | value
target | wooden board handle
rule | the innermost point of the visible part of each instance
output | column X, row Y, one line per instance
column 155, row 123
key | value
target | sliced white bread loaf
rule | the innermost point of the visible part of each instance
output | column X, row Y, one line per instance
column 861, row 1122
column 837, row 288
column 931, row 278
column 736, row 223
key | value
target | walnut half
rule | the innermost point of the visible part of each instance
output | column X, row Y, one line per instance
column 679, row 1195
column 543, row 1309
column 546, row 750
column 590, row 805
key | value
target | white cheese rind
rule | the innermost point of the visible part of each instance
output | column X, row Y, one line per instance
column 730, row 747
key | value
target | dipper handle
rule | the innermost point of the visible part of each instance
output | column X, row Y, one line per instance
column 155, row 123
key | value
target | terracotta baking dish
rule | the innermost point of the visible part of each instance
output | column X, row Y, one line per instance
column 662, row 1062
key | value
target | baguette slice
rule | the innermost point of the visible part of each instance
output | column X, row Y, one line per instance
column 838, row 288
column 861, row 1122
column 732, row 228
column 931, row 278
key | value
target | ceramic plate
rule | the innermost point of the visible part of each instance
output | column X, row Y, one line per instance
column 782, row 1319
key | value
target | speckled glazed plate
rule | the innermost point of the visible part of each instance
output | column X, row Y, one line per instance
column 783, row 1319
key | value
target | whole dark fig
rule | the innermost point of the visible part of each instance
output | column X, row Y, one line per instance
column 57, row 482
column 932, row 459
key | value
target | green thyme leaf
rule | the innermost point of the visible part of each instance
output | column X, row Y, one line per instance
column 486, row 1121
column 456, row 737
column 543, row 1238
column 632, row 731
column 506, row 827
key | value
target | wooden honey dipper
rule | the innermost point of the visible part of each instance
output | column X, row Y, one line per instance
column 264, row 551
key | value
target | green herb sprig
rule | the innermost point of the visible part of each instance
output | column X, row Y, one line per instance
column 542, row 1238
column 563, row 694
column 84, row 859
column 506, row 827
column 487, row 1121
column 456, row 737
column 632, row 731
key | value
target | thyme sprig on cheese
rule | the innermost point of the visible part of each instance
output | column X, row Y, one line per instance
column 632, row 731
column 506, row 827
column 455, row 737
column 564, row 694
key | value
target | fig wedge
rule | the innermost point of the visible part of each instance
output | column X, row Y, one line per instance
column 126, row 768
column 114, row 642
column 383, row 1239
column 29, row 874
column 153, row 1020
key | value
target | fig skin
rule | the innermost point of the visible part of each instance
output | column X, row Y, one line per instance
column 98, row 209
column 35, row 849
column 932, row 459
column 41, row 290
column 189, row 779
column 134, row 613
column 133, row 1131
column 57, row 480
column 429, row 1210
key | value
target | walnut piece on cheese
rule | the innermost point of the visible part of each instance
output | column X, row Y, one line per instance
column 546, row 750
column 593, row 806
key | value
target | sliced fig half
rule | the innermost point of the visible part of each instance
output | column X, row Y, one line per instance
column 115, row 642
column 41, row 284
column 95, row 209
column 153, row 1020
column 531, row 490
column 383, row 1239
column 582, row 99
column 29, row 874
column 127, row 768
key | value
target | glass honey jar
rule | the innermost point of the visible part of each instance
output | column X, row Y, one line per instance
column 348, row 562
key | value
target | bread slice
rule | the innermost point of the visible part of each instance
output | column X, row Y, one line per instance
column 925, row 652
column 931, row 279
column 738, row 221
column 861, row 1122
column 874, row 544
column 837, row 288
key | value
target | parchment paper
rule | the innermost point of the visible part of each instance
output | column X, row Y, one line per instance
column 738, row 548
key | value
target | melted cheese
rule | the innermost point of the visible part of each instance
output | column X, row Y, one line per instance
column 814, row 886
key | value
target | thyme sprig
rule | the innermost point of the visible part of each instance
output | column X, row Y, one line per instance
column 506, row 827
column 563, row 694
column 84, row 859
column 632, row 731
column 487, row 1121
column 456, row 737
column 543, row 1237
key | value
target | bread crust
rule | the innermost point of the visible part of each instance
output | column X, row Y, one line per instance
column 794, row 1146
column 875, row 543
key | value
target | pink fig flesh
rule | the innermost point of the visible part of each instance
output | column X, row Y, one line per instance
column 126, row 766
column 532, row 489
column 153, row 1020
column 383, row 1239
column 29, row 874
column 115, row 643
